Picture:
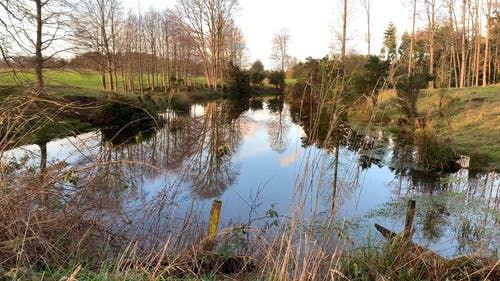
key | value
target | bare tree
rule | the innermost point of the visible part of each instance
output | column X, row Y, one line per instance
column 412, row 39
column 129, row 43
column 454, row 54
column 140, row 39
column 151, row 27
column 344, row 31
column 340, row 28
column 464, row 54
column 280, row 48
column 166, row 26
column 236, row 47
column 33, row 27
column 115, row 18
column 477, row 43
column 207, row 23
column 430, row 7
column 487, row 42
column 367, row 4
column 95, row 30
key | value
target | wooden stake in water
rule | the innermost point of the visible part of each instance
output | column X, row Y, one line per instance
column 213, row 224
column 410, row 214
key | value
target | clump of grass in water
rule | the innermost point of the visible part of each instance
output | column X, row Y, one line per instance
column 433, row 153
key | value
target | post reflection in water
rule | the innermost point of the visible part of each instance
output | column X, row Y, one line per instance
column 161, row 182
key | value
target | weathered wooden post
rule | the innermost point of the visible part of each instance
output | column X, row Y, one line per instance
column 410, row 214
column 213, row 224
column 420, row 123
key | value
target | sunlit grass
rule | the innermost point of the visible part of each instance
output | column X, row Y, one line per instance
column 88, row 79
column 469, row 116
column 474, row 118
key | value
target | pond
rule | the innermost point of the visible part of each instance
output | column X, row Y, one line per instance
column 266, row 165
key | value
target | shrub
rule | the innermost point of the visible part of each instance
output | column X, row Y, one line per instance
column 433, row 153
column 238, row 81
column 277, row 78
column 407, row 90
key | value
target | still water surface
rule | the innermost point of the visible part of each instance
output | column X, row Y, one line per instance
column 260, row 159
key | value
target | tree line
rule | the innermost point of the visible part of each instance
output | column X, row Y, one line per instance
column 132, row 50
column 457, row 44
column 137, row 50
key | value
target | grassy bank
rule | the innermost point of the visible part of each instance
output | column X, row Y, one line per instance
column 63, row 111
column 468, row 119
column 89, row 83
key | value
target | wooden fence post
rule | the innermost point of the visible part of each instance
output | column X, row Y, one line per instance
column 410, row 214
column 213, row 224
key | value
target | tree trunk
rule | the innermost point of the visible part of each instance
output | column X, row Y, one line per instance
column 141, row 84
column 487, row 44
column 463, row 61
column 167, row 60
column 455, row 58
column 497, row 65
column 412, row 39
column 140, row 37
column 113, row 46
column 344, row 32
column 123, row 75
column 477, row 52
column 38, row 46
column 432, row 26
column 367, row 7
column 130, row 71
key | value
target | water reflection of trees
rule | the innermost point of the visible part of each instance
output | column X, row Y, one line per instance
column 462, row 215
column 278, row 125
column 450, row 204
column 196, row 148
column 210, row 170
column 347, row 149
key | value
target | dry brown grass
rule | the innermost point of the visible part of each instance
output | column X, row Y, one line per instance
column 37, row 225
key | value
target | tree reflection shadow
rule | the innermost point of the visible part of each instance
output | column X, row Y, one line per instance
column 196, row 147
column 278, row 126
column 210, row 170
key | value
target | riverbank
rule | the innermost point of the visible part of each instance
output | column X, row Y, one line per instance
column 468, row 119
column 73, row 102
column 62, row 111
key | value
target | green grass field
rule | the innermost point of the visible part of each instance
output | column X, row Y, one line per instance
column 83, row 79
column 90, row 80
